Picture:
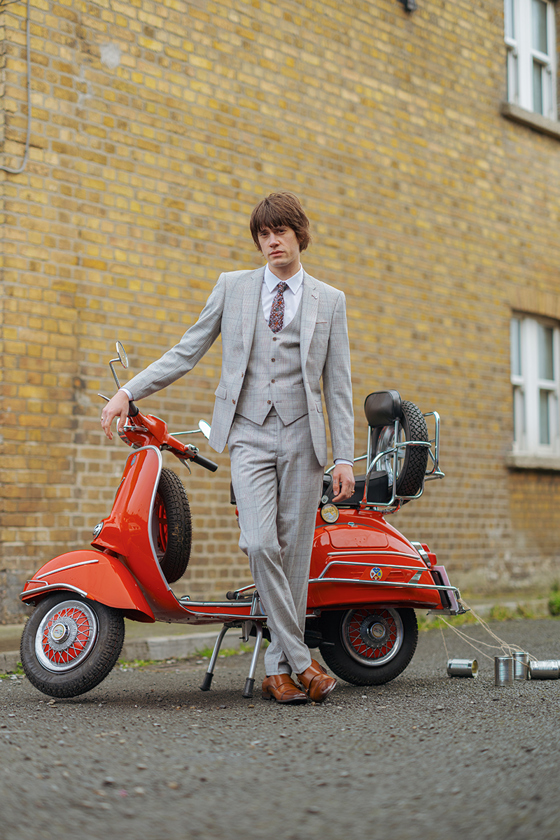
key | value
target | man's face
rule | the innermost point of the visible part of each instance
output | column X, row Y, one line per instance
column 280, row 247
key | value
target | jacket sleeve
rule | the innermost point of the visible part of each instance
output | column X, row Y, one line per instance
column 183, row 356
column 337, row 385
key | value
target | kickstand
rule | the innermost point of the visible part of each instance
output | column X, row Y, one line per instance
column 207, row 681
column 250, row 681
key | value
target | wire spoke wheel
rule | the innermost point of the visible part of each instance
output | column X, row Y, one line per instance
column 70, row 644
column 372, row 638
column 66, row 636
column 368, row 645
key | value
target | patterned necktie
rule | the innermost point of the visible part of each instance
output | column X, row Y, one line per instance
column 276, row 320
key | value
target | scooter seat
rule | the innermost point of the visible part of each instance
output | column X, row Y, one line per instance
column 378, row 489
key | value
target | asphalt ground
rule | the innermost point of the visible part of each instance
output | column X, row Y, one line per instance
column 147, row 754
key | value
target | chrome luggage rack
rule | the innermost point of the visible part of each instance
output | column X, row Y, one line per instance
column 430, row 475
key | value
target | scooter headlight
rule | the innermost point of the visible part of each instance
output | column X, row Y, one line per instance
column 330, row 513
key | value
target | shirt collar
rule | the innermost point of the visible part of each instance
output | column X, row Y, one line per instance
column 272, row 280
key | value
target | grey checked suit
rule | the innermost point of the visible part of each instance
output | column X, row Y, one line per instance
column 277, row 450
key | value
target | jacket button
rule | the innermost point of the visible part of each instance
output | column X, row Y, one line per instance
column 268, row 402
column 273, row 381
column 233, row 401
column 273, row 360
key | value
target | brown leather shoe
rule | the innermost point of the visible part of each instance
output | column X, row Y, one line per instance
column 283, row 689
column 316, row 682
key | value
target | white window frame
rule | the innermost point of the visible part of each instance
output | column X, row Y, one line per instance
column 528, row 386
column 522, row 56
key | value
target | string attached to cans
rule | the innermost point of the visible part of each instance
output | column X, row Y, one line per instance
column 511, row 664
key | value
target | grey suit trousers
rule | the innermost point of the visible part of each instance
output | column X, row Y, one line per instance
column 277, row 481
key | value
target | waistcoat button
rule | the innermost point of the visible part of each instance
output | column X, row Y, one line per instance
column 273, row 360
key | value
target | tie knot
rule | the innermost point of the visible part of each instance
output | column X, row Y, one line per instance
column 282, row 286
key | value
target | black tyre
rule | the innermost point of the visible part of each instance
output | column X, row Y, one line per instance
column 172, row 528
column 412, row 461
column 369, row 645
column 70, row 644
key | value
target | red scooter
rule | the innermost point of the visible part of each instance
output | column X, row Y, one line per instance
column 365, row 583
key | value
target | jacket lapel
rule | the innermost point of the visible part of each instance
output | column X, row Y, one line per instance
column 251, row 300
column 309, row 306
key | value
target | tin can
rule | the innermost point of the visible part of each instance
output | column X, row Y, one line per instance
column 520, row 665
column 548, row 669
column 462, row 667
column 503, row 670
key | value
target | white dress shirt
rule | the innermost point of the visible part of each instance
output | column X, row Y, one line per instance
column 292, row 295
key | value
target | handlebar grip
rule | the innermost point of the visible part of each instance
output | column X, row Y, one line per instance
column 133, row 409
column 205, row 462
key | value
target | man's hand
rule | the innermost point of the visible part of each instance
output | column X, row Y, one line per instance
column 116, row 407
column 343, row 482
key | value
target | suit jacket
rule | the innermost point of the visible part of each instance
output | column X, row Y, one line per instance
column 232, row 310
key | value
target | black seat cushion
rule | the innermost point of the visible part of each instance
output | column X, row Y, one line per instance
column 382, row 408
column 378, row 489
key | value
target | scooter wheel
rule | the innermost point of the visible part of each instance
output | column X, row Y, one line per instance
column 368, row 645
column 412, row 461
column 171, row 518
column 70, row 644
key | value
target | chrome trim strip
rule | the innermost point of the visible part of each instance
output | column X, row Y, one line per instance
column 54, row 586
column 34, row 580
column 65, row 568
column 357, row 553
column 368, row 565
column 150, row 517
column 387, row 583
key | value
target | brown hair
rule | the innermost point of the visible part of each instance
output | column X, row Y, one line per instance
column 282, row 209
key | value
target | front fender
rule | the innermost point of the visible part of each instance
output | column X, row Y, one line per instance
column 93, row 574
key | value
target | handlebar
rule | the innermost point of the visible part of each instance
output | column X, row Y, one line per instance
column 205, row 462
column 133, row 409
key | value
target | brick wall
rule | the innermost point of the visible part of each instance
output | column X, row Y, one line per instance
column 156, row 126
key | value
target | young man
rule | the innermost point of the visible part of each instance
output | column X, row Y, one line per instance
column 282, row 332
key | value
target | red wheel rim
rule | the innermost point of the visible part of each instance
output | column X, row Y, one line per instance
column 160, row 523
column 65, row 636
column 372, row 636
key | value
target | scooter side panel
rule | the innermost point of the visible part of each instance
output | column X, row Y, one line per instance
column 93, row 574
column 368, row 560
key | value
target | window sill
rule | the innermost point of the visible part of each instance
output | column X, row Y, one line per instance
column 528, row 461
column 535, row 121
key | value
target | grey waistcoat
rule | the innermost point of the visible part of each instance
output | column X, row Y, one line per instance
column 273, row 376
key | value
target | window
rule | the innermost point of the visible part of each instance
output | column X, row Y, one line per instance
column 530, row 36
column 535, row 364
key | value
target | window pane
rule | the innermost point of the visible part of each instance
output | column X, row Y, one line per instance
column 518, row 416
column 544, row 423
column 512, row 77
column 515, row 333
column 510, row 18
column 540, row 35
column 537, row 88
column 546, row 353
